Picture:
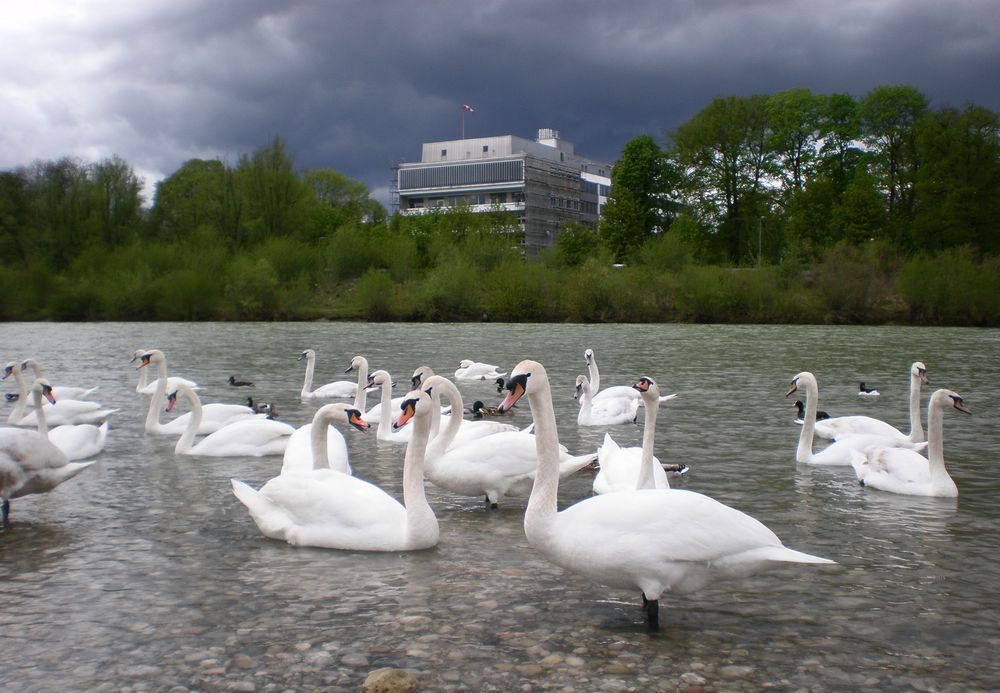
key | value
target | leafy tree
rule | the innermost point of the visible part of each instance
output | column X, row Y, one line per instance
column 193, row 195
column 272, row 194
column 117, row 200
column 794, row 117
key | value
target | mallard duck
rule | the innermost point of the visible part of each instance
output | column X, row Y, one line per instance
column 239, row 383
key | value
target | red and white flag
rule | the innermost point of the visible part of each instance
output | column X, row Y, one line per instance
column 467, row 107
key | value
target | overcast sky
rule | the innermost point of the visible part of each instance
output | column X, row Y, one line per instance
column 355, row 86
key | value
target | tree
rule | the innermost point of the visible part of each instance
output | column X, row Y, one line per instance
column 193, row 196
column 794, row 118
column 640, row 203
column 117, row 200
column 272, row 193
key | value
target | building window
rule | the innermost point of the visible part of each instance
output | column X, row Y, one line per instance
column 444, row 153
column 498, row 198
column 486, row 148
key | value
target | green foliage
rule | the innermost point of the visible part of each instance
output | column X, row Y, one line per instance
column 667, row 252
column 952, row 288
column 375, row 296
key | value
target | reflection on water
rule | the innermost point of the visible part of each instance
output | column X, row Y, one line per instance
column 146, row 573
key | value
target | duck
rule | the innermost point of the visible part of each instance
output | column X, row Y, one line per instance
column 266, row 408
column 77, row 441
column 301, row 453
column 481, row 411
column 867, row 392
column 655, row 541
column 839, row 452
column 340, row 388
column 332, row 510
column 213, row 416
column 493, row 467
column 59, row 391
column 31, row 463
column 626, row 469
column 475, row 370
column 800, row 409
column 609, row 411
column 907, row 472
column 840, row 426
column 250, row 437
column 239, row 383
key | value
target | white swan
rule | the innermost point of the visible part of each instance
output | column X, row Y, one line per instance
column 841, row 426
column 57, row 412
column 653, row 540
column 252, row 437
column 458, row 429
column 143, row 387
column 320, row 445
column 839, row 452
column 339, row 388
column 77, row 441
column 332, row 510
column 386, row 431
column 419, row 375
column 627, row 469
column 30, row 463
column 867, row 392
column 495, row 466
column 899, row 470
column 625, row 391
column 59, row 391
column 374, row 414
column 608, row 411
column 475, row 370
column 214, row 415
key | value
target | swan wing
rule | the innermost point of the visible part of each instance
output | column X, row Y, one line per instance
column 251, row 437
column 79, row 441
column 339, row 388
column 298, row 455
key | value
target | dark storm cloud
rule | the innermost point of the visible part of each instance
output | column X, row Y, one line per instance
column 357, row 85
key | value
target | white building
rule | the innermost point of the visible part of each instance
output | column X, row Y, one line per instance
column 543, row 182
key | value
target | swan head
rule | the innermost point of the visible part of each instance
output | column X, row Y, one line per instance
column 465, row 363
column 42, row 386
column 646, row 384
column 582, row 386
column 520, row 383
column 379, row 378
column 148, row 357
column 588, row 355
column 181, row 391
column 307, row 354
column 137, row 354
column 919, row 370
column 419, row 375
column 416, row 403
column 802, row 379
column 10, row 369
column 359, row 363
column 956, row 400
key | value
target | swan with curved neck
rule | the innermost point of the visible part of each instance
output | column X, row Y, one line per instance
column 839, row 452
column 256, row 436
column 495, row 466
column 339, row 388
column 58, row 391
column 77, row 441
column 907, row 472
column 656, row 541
column 313, row 447
column 386, row 431
column 626, row 469
column 214, row 415
column 332, row 510
column 606, row 412
column 842, row 426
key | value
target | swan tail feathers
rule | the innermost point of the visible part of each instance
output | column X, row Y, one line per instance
column 747, row 563
column 571, row 465
column 268, row 516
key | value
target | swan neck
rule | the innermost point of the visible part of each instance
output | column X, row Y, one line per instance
column 319, row 436
column 153, row 415
column 186, row 441
column 594, row 374
column 43, row 424
column 804, row 452
column 542, row 508
column 916, row 426
column 310, row 367
column 652, row 405
column 442, row 441
column 935, row 436
column 418, row 511
column 361, row 397
column 385, row 420
column 18, row 412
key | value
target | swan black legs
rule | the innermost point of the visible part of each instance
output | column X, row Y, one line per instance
column 652, row 609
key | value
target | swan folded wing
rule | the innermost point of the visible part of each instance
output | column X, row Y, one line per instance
column 903, row 466
column 842, row 426
column 79, row 441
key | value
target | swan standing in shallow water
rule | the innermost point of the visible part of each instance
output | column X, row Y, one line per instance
column 656, row 541
column 628, row 469
column 608, row 411
column 332, row 510
column 77, row 441
column 214, row 415
column 30, row 463
column 339, row 388
column 839, row 452
column 841, row 426
column 899, row 470
column 252, row 437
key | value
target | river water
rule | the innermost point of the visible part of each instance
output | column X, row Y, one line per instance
column 146, row 573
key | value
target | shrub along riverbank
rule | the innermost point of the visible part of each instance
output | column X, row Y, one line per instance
column 376, row 276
